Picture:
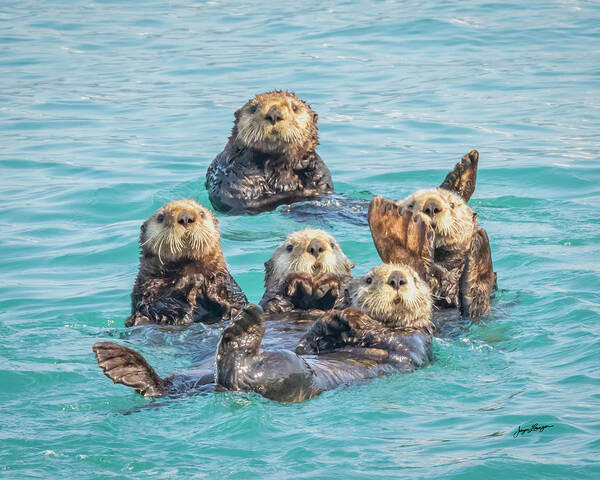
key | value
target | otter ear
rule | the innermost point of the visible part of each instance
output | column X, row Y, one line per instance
column 238, row 113
column 350, row 265
column 315, row 117
column 268, row 271
column 143, row 232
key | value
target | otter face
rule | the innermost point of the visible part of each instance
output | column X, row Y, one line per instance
column 272, row 121
column 394, row 295
column 179, row 230
column 309, row 251
column 448, row 214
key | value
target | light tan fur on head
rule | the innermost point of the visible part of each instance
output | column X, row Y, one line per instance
column 182, row 230
column 451, row 218
column 255, row 126
column 293, row 256
column 393, row 294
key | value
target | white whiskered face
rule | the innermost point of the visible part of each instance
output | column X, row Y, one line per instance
column 271, row 121
column 182, row 229
column 393, row 294
column 309, row 251
column 448, row 214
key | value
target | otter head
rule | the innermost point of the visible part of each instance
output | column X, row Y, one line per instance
column 181, row 230
column 393, row 294
column 448, row 214
column 276, row 122
column 307, row 251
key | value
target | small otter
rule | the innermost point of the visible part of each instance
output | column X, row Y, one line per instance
column 307, row 271
column 462, row 273
column 270, row 158
column 387, row 329
column 183, row 276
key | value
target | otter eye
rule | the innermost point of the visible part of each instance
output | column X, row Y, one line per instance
column 160, row 218
column 252, row 108
column 289, row 248
column 202, row 215
column 295, row 108
column 332, row 245
column 411, row 206
column 369, row 280
column 451, row 205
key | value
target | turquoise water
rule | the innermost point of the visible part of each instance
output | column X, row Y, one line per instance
column 109, row 109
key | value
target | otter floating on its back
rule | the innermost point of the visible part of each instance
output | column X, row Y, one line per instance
column 270, row 159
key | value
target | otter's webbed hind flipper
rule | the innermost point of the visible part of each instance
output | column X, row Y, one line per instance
column 462, row 179
column 478, row 278
column 126, row 366
column 400, row 236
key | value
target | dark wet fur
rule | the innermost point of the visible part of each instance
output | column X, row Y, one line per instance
column 465, row 279
column 247, row 180
column 355, row 350
column 179, row 293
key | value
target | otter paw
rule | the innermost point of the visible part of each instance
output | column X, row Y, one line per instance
column 420, row 238
column 298, row 284
column 389, row 222
column 399, row 233
column 326, row 283
column 325, row 335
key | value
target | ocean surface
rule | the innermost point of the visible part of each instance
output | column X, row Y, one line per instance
column 108, row 109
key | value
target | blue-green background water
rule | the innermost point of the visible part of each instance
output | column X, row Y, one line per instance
column 109, row 109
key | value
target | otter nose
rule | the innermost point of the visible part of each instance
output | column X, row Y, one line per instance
column 396, row 280
column 185, row 218
column 432, row 207
column 274, row 115
column 316, row 247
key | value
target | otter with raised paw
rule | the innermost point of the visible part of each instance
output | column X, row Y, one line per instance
column 387, row 329
column 462, row 273
column 183, row 276
column 270, row 159
column 307, row 271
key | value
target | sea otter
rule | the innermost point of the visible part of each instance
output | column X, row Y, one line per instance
column 307, row 271
column 183, row 276
column 387, row 329
column 270, row 158
column 462, row 273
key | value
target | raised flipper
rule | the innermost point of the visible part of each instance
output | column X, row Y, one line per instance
column 478, row 278
column 400, row 235
column 462, row 179
column 126, row 366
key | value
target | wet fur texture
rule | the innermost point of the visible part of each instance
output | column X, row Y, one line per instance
column 269, row 162
column 406, row 307
column 461, row 273
column 356, row 346
column 183, row 276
